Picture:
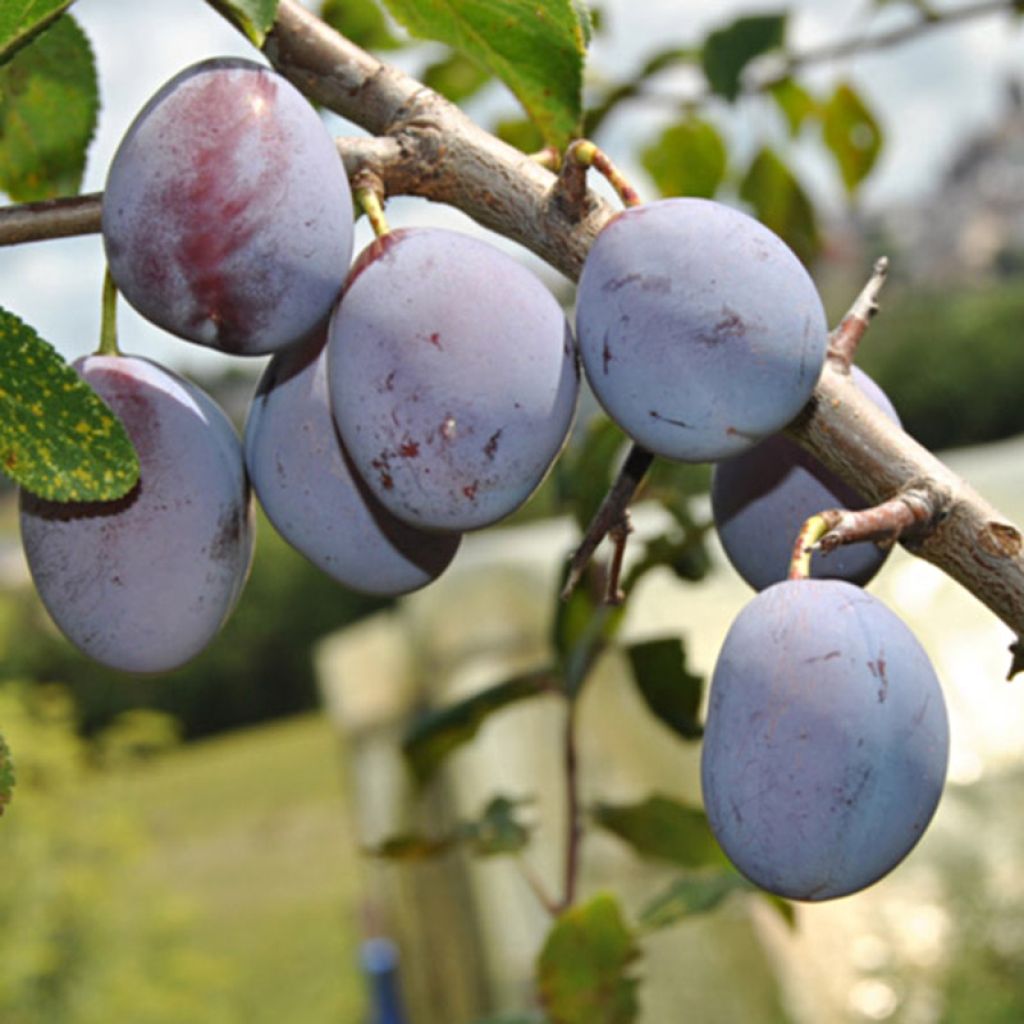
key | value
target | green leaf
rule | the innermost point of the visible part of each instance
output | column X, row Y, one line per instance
column 410, row 846
column 498, row 832
column 456, row 77
column 49, row 101
column 852, row 135
column 583, row 970
column 7, row 776
column 696, row 893
column 780, row 202
column 672, row 694
column 584, row 472
column 662, row 829
column 361, row 21
column 254, row 17
column 688, row 160
column 515, row 1018
column 58, row 439
column 795, row 102
column 536, row 47
column 434, row 736
column 521, row 133
column 727, row 51
column 22, row 20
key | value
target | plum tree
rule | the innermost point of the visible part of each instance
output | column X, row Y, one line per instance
column 826, row 740
column 144, row 583
column 227, row 218
column 762, row 497
column 304, row 480
column 682, row 334
column 453, row 378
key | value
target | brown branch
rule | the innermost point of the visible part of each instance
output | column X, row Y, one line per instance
column 846, row 338
column 910, row 513
column 52, row 218
column 426, row 146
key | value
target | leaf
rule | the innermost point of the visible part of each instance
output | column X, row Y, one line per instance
column 582, row 971
column 456, row 77
column 536, row 47
column 672, row 694
column 662, row 829
column 254, row 17
column 49, row 101
column 22, row 20
column 363, row 22
column 521, row 133
column 852, row 135
column 696, row 893
column 727, row 51
column 434, row 736
column 7, row 776
column 780, row 202
column 410, row 846
column 58, row 439
column 688, row 160
column 795, row 102
column 498, row 832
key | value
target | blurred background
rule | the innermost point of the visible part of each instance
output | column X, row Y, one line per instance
column 190, row 847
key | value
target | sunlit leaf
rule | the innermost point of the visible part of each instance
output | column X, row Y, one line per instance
column 23, row 20
column 672, row 694
column 254, row 17
column 435, row 735
column 58, row 439
column 49, row 101
column 535, row 48
column 456, row 77
column 662, row 829
column 780, row 202
column 728, row 50
column 583, row 972
column 852, row 135
column 795, row 102
column 689, row 159
column 7, row 776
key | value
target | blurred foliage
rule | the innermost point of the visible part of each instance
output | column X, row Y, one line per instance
column 951, row 362
column 85, row 939
column 259, row 667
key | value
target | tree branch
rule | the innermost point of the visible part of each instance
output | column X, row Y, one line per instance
column 426, row 146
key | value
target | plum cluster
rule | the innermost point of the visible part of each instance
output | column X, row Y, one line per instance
column 426, row 389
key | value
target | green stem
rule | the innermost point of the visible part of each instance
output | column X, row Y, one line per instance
column 810, row 533
column 108, row 325
column 370, row 203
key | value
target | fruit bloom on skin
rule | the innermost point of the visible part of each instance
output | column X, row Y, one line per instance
column 306, row 484
column 453, row 378
column 227, row 214
column 827, row 740
column 760, row 500
column 700, row 331
column 144, row 583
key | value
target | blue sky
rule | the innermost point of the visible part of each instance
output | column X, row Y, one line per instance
column 928, row 95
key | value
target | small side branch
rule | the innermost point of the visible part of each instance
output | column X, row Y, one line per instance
column 612, row 514
column 909, row 515
column 52, row 218
column 846, row 338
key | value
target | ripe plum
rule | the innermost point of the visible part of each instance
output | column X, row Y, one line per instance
column 453, row 378
column 761, row 498
column 826, row 743
column 144, row 583
column 227, row 214
column 306, row 484
column 699, row 329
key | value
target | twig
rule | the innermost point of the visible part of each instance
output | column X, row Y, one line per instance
column 846, row 338
column 573, row 812
column 52, row 218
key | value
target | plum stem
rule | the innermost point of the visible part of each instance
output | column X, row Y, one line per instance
column 108, row 323
column 586, row 154
column 846, row 338
column 810, row 533
column 369, row 201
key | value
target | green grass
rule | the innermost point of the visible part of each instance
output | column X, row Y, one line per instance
column 251, row 836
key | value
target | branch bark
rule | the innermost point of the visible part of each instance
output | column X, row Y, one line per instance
column 422, row 145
